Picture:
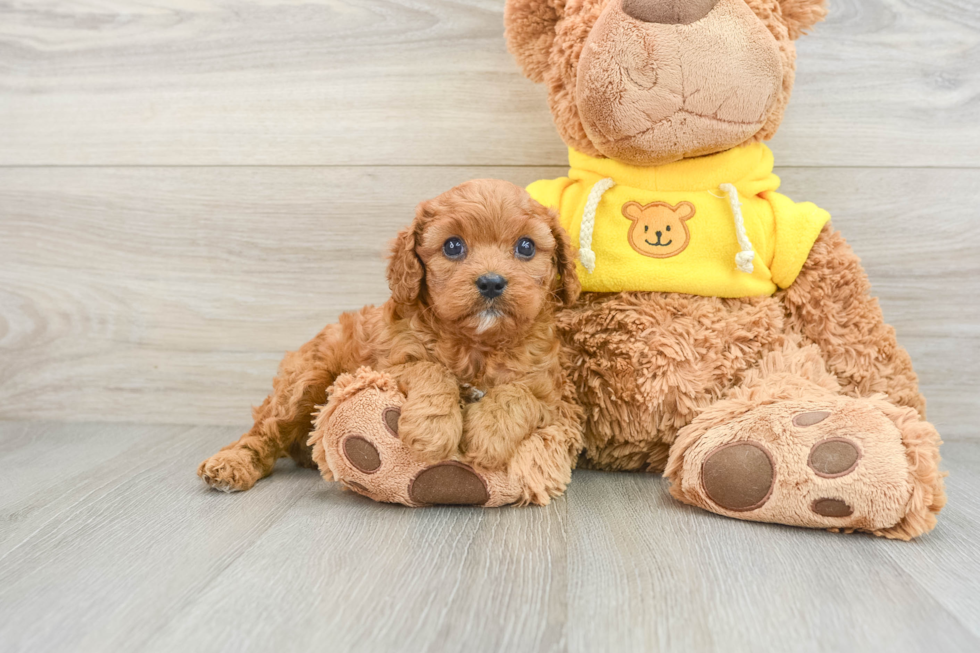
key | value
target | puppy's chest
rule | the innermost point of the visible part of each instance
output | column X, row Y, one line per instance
column 476, row 381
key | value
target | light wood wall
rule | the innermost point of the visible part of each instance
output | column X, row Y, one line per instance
column 188, row 188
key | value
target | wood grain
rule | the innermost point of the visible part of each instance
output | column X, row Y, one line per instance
column 386, row 82
column 949, row 554
column 99, row 559
column 136, row 554
column 109, row 542
column 721, row 584
column 170, row 294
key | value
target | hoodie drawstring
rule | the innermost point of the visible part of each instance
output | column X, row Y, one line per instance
column 585, row 254
column 743, row 260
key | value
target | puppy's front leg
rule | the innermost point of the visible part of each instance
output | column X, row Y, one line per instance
column 431, row 420
column 494, row 426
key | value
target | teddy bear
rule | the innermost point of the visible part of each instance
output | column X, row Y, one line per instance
column 751, row 365
column 726, row 336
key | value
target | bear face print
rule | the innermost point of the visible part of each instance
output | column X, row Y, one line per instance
column 659, row 230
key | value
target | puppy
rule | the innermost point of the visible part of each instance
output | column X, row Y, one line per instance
column 475, row 282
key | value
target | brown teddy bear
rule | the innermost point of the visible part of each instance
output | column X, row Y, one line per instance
column 752, row 365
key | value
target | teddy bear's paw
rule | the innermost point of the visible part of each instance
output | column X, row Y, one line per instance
column 231, row 470
column 839, row 463
column 356, row 442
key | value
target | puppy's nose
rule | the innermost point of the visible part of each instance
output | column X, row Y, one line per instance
column 491, row 285
column 668, row 12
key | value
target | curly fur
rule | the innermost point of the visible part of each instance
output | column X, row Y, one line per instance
column 430, row 337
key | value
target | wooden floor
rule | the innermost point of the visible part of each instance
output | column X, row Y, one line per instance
column 189, row 188
column 110, row 543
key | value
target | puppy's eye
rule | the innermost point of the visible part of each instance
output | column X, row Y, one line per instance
column 668, row 227
column 524, row 248
column 646, row 228
column 454, row 248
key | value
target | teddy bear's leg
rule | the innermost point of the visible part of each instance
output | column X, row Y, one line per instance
column 786, row 446
column 356, row 441
column 830, row 304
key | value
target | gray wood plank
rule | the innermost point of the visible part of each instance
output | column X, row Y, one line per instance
column 43, row 466
column 343, row 574
column 951, row 554
column 376, row 82
column 145, row 558
column 170, row 294
column 647, row 573
column 125, row 550
column 114, row 551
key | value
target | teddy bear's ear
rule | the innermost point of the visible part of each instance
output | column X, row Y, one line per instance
column 529, row 26
column 801, row 15
column 684, row 211
column 632, row 211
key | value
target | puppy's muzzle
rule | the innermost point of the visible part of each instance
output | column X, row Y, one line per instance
column 491, row 285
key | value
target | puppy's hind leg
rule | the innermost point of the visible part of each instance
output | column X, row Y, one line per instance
column 282, row 422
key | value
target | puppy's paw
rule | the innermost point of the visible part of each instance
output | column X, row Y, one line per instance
column 433, row 437
column 489, row 452
column 231, row 470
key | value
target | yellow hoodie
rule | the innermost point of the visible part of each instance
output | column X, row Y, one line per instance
column 712, row 226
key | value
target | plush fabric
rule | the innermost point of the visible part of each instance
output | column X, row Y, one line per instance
column 700, row 256
column 549, row 38
column 799, row 407
column 880, row 492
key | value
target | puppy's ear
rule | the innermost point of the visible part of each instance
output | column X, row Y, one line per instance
column 801, row 15
column 405, row 270
column 567, row 286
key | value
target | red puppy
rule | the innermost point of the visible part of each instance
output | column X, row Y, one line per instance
column 475, row 281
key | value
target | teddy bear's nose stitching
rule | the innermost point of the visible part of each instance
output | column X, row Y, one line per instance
column 668, row 12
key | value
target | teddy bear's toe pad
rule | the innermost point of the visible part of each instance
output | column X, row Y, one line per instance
column 390, row 418
column 834, row 457
column 738, row 476
column 831, row 508
column 362, row 454
column 449, row 483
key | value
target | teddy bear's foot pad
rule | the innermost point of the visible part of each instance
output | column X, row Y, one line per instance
column 449, row 483
column 838, row 463
column 356, row 442
column 738, row 476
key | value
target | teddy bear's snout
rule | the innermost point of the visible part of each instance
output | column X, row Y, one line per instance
column 668, row 12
